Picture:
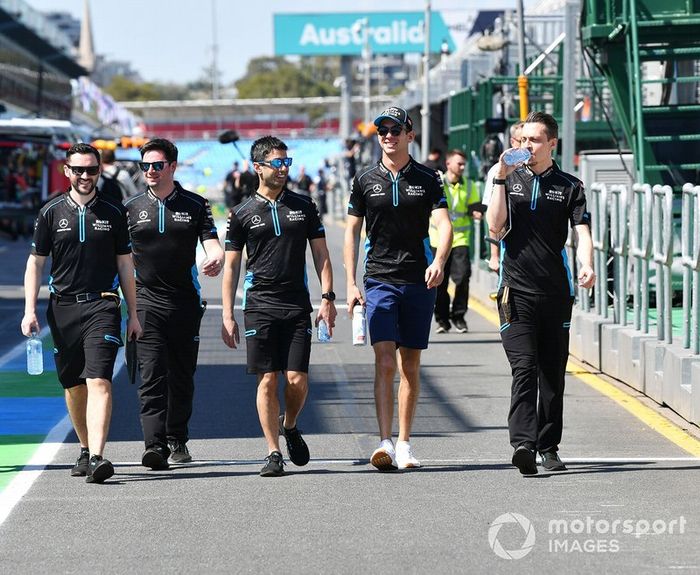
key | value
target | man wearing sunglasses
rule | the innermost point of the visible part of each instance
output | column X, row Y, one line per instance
column 274, row 226
column 87, row 239
column 166, row 223
column 396, row 198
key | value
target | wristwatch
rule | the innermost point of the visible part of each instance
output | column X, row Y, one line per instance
column 499, row 181
column 329, row 295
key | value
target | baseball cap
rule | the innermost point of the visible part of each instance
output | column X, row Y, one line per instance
column 398, row 115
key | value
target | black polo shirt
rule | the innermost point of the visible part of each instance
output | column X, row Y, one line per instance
column 541, row 208
column 275, row 234
column 164, row 236
column 397, row 214
column 83, row 242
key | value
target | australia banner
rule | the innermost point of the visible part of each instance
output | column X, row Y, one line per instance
column 346, row 33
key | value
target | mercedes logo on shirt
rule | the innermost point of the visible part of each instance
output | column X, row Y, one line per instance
column 256, row 219
column 517, row 187
column 63, row 223
column 143, row 214
column 377, row 188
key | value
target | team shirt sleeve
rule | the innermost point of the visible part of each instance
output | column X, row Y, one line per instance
column 315, row 229
column 121, row 240
column 356, row 206
column 207, row 227
column 437, row 193
column 235, row 234
column 578, row 214
column 42, row 241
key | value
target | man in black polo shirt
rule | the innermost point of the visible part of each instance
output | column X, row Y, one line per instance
column 396, row 197
column 87, row 239
column 274, row 226
column 166, row 223
column 536, row 287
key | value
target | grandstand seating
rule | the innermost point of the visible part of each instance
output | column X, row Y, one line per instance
column 290, row 128
column 206, row 162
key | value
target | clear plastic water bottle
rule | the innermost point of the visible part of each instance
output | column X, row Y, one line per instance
column 324, row 336
column 359, row 326
column 35, row 355
column 516, row 156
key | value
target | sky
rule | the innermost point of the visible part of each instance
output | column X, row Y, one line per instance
column 171, row 40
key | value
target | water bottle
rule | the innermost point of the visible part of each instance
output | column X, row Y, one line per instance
column 35, row 356
column 324, row 336
column 359, row 326
column 516, row 156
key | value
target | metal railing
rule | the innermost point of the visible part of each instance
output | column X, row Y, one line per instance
column 690, row 240
column 636, row 230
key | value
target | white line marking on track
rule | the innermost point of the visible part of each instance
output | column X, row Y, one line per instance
column 218, row 306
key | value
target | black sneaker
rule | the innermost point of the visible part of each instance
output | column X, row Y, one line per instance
column 80, row 468
column 155, row 457
column 274, row 466
column 551, row 461
column 99, row 470
column 460, row 325
column 524, row 460
column 179, row 452
column 443, row 327
column 296, row 446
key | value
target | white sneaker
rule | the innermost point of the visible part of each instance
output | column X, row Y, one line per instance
column 404, row 456
column 384, row 457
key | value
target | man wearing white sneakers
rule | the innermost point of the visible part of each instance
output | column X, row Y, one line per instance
column 396, row 197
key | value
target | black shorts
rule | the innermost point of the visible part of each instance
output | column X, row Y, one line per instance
column 86, row 338
column 277, row 340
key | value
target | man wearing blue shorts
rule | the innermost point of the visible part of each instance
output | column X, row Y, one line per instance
column 396, row 197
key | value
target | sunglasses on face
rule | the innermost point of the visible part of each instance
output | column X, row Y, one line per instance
column 394, row 131
column 80, row 170
column 157, row 166
column 277, row 163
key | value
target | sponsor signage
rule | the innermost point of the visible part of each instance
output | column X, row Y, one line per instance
column 344, row 33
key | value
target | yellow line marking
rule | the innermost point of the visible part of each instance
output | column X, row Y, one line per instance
column 645, row 414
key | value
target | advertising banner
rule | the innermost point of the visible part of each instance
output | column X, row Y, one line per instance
column 337, row 34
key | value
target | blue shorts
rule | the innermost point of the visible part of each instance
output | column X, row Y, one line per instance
column 399, row 313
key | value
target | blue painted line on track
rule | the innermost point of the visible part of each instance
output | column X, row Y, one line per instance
column 30, row 415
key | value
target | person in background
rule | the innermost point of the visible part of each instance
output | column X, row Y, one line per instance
column 434, row 161
column 248, row 181
column 233, row 193
column 320, row 189
column 88, row 241
column 115, row 182
column 463, row 203
column 304, row 185
column 494, row 250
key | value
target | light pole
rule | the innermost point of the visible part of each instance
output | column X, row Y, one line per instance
column 214, row 55
column 425, row 109
column 522, row 78
column 367, row 63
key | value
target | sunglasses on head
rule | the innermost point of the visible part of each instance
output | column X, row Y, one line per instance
column 157, row 166
column 277, row 163
column 394, row 130
column 80, row 170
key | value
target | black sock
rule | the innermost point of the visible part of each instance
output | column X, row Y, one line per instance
column 84, row 450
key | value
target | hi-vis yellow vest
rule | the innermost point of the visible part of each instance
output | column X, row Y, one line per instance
column 459, row 196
